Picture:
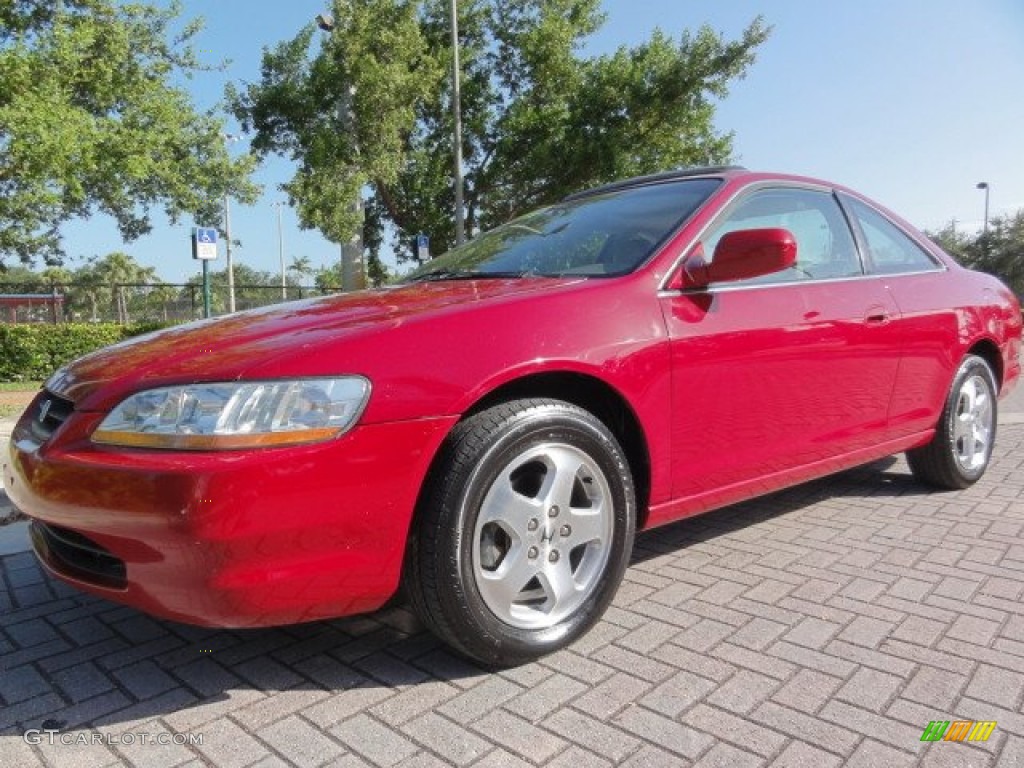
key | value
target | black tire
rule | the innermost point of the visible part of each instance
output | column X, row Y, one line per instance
column 455, row 558
column 941, row 463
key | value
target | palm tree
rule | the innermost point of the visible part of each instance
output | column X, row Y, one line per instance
column 301, row 267
column 54, row 277
column 164, row 298
column 117, row 272
column 89, row 288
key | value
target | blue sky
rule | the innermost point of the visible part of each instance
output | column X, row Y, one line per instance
column 911, row 102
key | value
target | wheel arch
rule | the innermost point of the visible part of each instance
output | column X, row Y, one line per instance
column 599, row 398
column 586, row 391
column 988, row 351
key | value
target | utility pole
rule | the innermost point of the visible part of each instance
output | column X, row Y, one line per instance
column 229, row 138
column 280, row 250
column 227, row 249
column 460, row 213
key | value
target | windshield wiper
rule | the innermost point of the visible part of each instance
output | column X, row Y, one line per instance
column 440, row 274
column 437, row 275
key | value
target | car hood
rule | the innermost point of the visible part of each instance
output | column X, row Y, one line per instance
column 227, row 348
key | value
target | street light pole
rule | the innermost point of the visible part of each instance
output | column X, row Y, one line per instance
column 353, row 272
column 460, row 213
column 984, row 185
column 280, row 250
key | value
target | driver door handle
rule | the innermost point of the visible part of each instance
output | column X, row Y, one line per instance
column 876, row 316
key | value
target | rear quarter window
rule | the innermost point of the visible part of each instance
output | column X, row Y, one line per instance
column 890, row 249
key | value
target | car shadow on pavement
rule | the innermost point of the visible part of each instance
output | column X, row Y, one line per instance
column 886, row 478
column 69, row 660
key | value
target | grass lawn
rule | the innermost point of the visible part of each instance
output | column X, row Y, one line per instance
column 15, row 396
column 20, row 386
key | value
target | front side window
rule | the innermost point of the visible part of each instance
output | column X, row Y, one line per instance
column 596, row 236
column 825, row 245
column 891, row 250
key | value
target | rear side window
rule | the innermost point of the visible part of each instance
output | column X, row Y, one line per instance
column 890, row 249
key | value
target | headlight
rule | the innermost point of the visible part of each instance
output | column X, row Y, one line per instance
column 238, row 414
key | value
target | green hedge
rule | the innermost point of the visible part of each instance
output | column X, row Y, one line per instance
column 33, row 352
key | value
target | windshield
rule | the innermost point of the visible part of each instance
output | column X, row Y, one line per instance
column 596, row 236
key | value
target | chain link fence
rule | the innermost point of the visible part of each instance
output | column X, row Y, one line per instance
column 127, row 303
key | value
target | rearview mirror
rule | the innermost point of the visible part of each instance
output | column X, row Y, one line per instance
column 741, row 255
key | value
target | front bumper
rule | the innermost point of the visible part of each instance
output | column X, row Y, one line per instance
column 239, row 538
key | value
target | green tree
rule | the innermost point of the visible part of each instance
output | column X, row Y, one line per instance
column 89, row 291
column 253, row 288
column 15, row 276
column 163, row 303
column 540, row 121
column 90, row 122
column 1001, row 251
column 114, row 281
column 328, row 279
column 56, row 276
column 951, row 240
column 377, row 272
column 301, row 267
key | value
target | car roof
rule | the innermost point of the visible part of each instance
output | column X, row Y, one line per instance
column 655, row 178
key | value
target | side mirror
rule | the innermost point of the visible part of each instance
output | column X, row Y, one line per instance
column 741, row 255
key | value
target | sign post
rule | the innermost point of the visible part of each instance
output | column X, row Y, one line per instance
column 204, row 248
column 422, row 247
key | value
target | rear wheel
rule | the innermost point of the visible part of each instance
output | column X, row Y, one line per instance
column 959, row 453
column 525, row 531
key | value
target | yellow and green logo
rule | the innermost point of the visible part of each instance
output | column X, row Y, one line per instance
column 958, row 730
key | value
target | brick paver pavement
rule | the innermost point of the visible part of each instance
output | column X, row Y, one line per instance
column 821, row 626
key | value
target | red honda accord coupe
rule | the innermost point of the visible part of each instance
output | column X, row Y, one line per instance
column 491, row 431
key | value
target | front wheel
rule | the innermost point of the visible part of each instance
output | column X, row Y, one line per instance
column 524, row 532
column 959, row 453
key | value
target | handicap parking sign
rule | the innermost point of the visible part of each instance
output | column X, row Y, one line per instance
column 204, row 243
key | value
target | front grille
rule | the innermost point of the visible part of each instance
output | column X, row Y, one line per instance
column 47, row 412
column 76, row 556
